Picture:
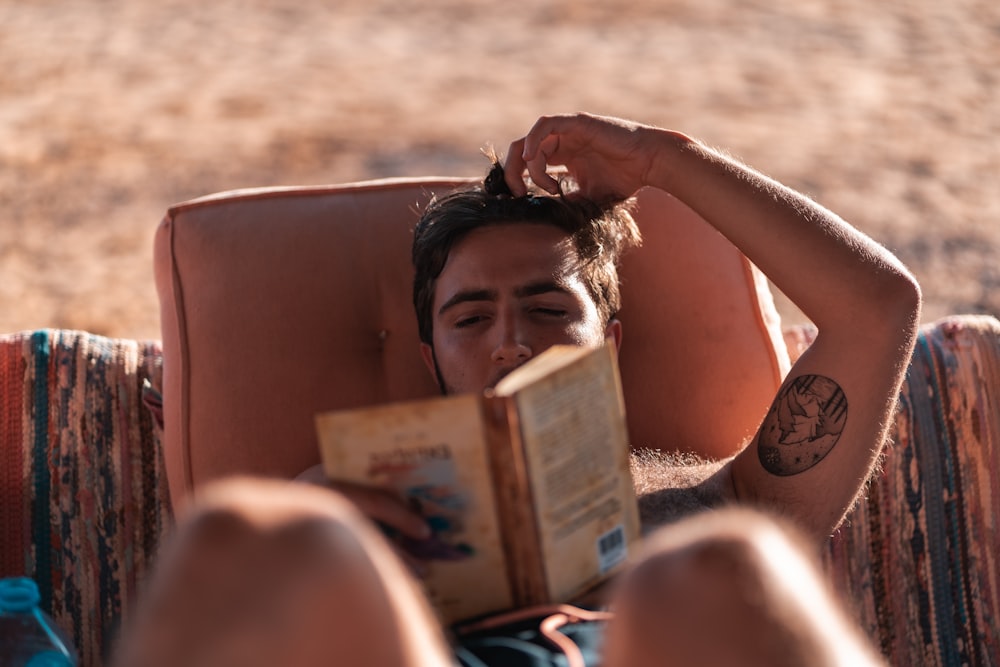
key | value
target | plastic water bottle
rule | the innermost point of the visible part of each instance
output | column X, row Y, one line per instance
column 28, row 637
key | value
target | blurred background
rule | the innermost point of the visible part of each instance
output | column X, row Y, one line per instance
column 111, row 110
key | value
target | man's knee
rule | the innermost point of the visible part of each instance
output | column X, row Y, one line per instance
column 266, row 572
column 730, row 587
column 737, row 555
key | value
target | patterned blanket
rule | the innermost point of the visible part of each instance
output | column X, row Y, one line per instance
column 84, row 501
column 919, row 561
column 83, row 494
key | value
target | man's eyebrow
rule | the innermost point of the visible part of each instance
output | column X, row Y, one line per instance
column 467, row 295
column 540, row 287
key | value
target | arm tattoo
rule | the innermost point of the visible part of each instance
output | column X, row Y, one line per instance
column 804, row 423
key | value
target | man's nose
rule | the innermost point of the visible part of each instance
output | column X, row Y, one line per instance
column 511, row 346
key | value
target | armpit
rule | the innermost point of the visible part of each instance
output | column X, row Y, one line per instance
column 670, row 486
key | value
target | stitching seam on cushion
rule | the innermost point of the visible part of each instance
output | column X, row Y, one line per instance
column 772, row 354
column 251, row 194
column 183, row 351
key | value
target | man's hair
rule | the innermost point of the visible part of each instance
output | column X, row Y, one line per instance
column 600, row 234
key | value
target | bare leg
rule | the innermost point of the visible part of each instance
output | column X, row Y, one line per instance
column 274, row 573
column 730, row 587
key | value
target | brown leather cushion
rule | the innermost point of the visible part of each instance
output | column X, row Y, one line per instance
column 277, row 303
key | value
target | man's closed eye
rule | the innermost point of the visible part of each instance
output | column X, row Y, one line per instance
column 549, row 312
column 469, row 321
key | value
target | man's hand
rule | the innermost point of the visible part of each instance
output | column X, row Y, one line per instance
column 609, row 158
column 379, row 505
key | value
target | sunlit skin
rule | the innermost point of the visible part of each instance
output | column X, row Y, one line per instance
column 507, row 293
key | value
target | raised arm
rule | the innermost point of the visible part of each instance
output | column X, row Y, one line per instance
column 821, row 438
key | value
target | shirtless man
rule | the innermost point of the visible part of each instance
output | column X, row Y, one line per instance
column 732, row 590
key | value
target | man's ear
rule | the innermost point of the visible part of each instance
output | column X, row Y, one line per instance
column 613, row 332
column 427, row 354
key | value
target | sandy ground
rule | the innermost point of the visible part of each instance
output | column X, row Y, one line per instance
column 887, row 112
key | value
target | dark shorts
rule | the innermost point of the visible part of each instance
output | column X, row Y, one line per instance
column 525, row 644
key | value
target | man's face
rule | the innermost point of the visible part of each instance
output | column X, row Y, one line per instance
column 507, row 293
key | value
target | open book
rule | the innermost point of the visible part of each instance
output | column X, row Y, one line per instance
column 527, row 487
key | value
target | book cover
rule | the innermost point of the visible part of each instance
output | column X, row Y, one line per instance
column 526, row 488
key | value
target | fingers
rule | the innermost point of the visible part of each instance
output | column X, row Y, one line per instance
column 534, row 153
column 538, row 165
column 392, row 513
column 380, row 506
column 513, row 169
column 515, row 166
column 544, row 128
column 386, row 508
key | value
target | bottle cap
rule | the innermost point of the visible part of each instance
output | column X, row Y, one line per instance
column 18, row 594
column 50, row 659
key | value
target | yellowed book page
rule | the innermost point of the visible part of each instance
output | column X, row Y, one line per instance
column 433, row 453
column 576, row 444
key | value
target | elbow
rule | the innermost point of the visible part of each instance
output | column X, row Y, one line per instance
column 907, row 302
column 896, row 302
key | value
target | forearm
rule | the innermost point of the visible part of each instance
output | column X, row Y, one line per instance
column 829, row 269
column 807, row 465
